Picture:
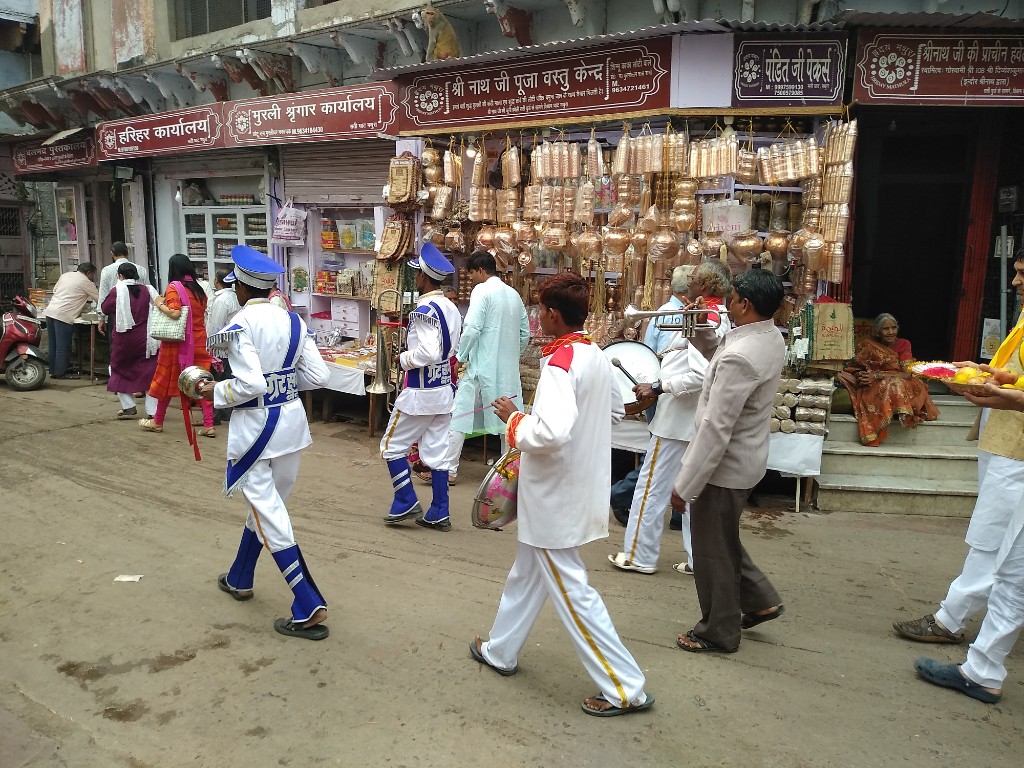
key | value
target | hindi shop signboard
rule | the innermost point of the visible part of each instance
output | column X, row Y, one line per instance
column 789, row 73
column 34, row 157
column 182, row 130
column 339, row 113
column 924, row 68
column 611, row 81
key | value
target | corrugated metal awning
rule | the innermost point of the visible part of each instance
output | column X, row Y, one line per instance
column 60, row 135
column 945, row 21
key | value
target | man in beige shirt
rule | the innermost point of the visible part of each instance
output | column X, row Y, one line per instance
column 70, row 294
column 726, row 459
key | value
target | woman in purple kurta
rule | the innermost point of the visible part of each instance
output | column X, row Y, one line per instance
column 131, row 368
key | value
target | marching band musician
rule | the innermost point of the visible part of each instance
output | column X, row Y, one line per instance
column 682, row 376
column 272, row 356
column 564, row 473
column 423, row 410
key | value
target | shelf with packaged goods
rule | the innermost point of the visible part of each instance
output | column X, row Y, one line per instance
column 209, row 233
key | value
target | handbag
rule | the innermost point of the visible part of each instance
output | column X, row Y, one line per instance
column 164, row 328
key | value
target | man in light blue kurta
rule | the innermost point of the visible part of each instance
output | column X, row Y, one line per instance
column 494, row 334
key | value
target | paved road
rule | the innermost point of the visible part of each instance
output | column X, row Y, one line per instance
column 170, row 672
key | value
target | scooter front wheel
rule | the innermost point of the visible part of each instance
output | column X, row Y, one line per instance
column 26, row 374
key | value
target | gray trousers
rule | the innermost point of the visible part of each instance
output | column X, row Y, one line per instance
column 728, row 583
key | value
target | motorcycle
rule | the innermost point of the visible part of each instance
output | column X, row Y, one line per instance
column 20, row 358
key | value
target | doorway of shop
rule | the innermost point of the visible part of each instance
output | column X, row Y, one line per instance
column 910, row 223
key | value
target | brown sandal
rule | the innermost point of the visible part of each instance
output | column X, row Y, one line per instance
column 927, row 630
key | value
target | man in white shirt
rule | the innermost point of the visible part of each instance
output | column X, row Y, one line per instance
column 224, row 304
column 70, row 295
column 682, row 376
column 564, row 474
column 108, row 277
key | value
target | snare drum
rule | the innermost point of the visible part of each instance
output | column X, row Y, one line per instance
column 496, row 502
column 642, row 364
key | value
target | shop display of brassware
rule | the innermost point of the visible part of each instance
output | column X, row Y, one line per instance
column 589, row 244
column 485, row 237
column 455, row 240
column 746, row 245
column 663, row 245
column 711, row 244
column 555, row 237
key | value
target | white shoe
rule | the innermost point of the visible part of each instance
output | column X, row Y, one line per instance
column 683, row 568
column 622, row 562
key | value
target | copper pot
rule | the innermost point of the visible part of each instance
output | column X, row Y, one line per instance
column 555, row 237
column 433, row 174
column 685, row 204
column 694, row 251
column 777, row 244
column 711, row 244
column 640, row 241
column 746, row 245
column 663, row 245
column 683, row 221
column 589, row 244
column 436, row 236
column 814, row 253
column 485, row 237
column 525, row 232
column 455, row 241
column 797, row 240
column 615, row 241
column 685, row 188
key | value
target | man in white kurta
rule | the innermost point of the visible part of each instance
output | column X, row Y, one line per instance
column 423, row 409
column 682, row 377
column 494, row 335
column 108, row 277
column 982, row 675
column 564, row 474
column 272, row 357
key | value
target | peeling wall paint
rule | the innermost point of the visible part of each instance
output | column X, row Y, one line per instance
column 69, row 36
column 133, row 31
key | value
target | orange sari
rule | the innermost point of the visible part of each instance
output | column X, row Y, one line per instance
column 877, row 403
column 168, row 364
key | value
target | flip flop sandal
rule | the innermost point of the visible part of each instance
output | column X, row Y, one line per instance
column 620, row 561
column 614, row 711
column 293, row 629
column 753, row 619
column 131, row 413
column 703, row 646
column 685, row 569
column 238, row 594
column 477, row 654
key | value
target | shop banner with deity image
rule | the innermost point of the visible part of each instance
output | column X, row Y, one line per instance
column 610, row 81
column 355, row 112
column 181, row 130
column 72, row 152
column 931, row 67
column 789, row 71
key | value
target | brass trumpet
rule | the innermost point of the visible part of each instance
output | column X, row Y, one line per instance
column 687, row 326
column 388, row 367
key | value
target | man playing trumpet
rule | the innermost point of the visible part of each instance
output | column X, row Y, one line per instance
column 423, row 410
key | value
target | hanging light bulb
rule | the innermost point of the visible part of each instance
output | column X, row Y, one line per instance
column 729, row 130
column 471, row 149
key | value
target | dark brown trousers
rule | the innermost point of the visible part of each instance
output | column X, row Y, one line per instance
column 728, row 583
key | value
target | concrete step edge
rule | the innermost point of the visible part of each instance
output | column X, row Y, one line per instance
column 897, row 451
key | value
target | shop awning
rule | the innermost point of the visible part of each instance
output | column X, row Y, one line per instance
column 21, row 11
column 61, row 135
column 949, row 22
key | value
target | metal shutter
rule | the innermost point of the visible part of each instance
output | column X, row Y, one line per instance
column 349, row 173
column 213, row 162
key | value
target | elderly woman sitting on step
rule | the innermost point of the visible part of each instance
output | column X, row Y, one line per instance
column 881, row 388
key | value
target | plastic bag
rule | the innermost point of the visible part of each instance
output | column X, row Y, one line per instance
column 289, row 226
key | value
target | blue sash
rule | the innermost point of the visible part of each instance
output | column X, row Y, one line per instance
column 239, row 468
column 439, row 374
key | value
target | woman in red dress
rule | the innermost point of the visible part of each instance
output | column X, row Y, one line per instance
column 183, row 288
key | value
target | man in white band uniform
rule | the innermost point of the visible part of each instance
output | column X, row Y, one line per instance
column 682, row 377
column 423, row 410
column 272, row 358
column 565, row 471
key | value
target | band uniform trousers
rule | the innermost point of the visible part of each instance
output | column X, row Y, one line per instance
column 559, row 573
column 642, row 543
column 430, row 431
column 1000, row 492
column 267, row 486
column 727, row 581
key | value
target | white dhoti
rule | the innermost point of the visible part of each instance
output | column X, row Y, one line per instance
column 430, row 431
column 642, row 542
column 267, row 486
column 560, row 573
column 1000, row 494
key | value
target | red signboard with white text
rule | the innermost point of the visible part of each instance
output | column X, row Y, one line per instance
column 611, row 80
column 962, row 69
column 73, row 152
column 355, row 112
column 182, row 130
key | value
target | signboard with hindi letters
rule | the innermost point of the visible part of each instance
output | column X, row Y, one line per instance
column 182, row 130
column 983, row 69
column 788, row 72
column 613, row 80
column 355, row 112
column 73, row 152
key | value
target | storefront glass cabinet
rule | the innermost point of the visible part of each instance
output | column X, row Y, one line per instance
column 72, row 225
column 210, row 232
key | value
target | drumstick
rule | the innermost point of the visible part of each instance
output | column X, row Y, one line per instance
column 470, row 413
column 618, row 364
